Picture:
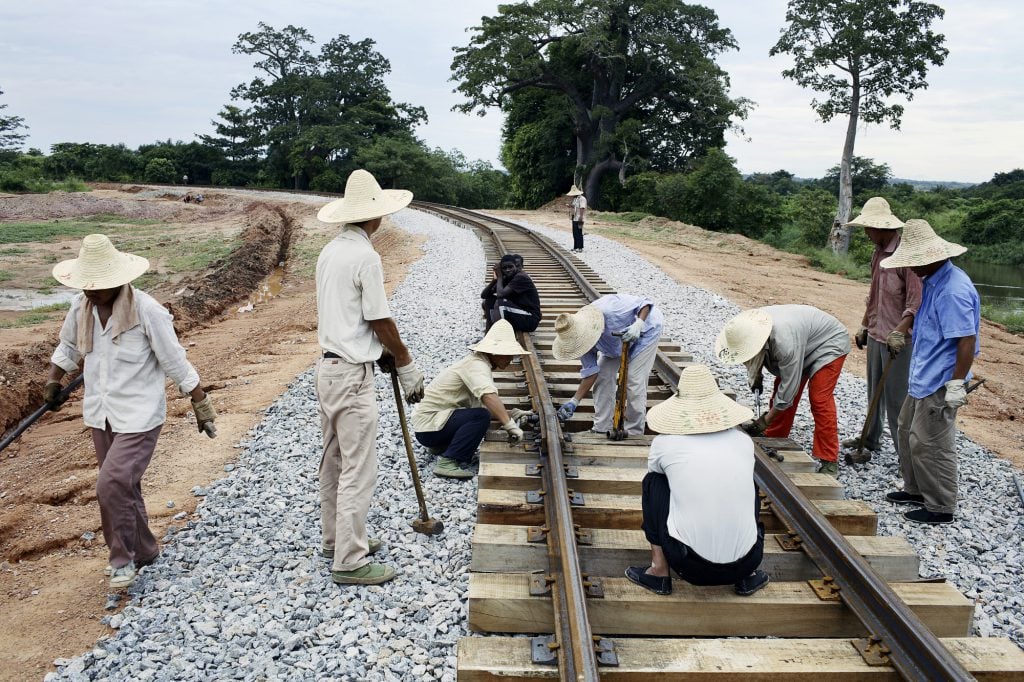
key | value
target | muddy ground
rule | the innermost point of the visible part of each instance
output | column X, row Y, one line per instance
column 52, row 589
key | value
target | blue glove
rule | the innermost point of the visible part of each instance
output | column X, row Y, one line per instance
column 568, row 410
column 633, row 331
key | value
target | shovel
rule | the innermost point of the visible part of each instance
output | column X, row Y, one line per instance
column 424, row 524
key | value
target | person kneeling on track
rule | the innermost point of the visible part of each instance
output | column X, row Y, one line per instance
column 699, row 502
column 458, row 405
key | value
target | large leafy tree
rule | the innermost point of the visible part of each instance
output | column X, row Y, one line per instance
column 859, row 55
column 637, row 78
column 10, row 138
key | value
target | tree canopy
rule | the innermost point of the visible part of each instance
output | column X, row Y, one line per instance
column 10, row 138
column 858, row 54
column 636, row 78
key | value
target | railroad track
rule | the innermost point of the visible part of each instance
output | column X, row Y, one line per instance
column 558, row 521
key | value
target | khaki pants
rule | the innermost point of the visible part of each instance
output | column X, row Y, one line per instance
column 928, row 451
column 348, row 467
column 636, row 391
column 890, row 403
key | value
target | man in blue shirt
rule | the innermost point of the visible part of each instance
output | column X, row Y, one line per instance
column 595, row 334
column 946, row 331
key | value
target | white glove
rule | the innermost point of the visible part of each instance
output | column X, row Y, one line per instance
column 956, row 393
column 411, row 379
column 518, row 415
column 515, row 434
column 633, row 331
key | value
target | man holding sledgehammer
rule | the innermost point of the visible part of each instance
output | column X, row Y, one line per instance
column 355, row 329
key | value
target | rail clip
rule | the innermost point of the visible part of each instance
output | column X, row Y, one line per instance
column 791, row 542
column 826, row 588
column 544, row 650
column 873, row 650
column 605, row 650
column 540, row 584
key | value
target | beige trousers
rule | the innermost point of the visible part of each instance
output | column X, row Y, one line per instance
column 348, row 467
column 928, row 451
column 636, row 391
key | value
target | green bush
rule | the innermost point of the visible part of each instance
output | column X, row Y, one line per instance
column 811, row 212
column 993, row 222
column 160, row 171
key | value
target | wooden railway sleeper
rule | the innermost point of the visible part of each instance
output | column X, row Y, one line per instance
column 873, row 650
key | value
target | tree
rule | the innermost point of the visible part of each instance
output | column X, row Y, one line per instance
column 865, row 176
column 10, row 138
column 160, row 170
column 859, row 54
column 637, row 77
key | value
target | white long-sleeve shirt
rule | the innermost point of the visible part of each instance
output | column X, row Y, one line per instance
column 125, row 377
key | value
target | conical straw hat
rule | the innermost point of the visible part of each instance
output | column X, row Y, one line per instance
column 574, row 192
column 699, row 407
column 743, row 336
column 577, row 333
column 921, row 246
column 364, row 200
column 500, row 340
column 876, row 213
column 99, row 266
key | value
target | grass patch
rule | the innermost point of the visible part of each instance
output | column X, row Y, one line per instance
column 15, row 233
column 199, row 255
column 14, row 251
column 824, row 259
column 628, row 217
column 37, row 316
column 52, row 307
column 114, row 219
column 304, row 253
column 6, row 275
column 1013, row 320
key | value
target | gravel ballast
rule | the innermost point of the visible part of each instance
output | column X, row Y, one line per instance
column 241, row 592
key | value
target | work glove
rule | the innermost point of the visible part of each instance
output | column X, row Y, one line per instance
column 757, row 427
column 52, row 397
column 515, row 434
column 565, row 412
column 861, row 337
column 896, row 342
column 956, row 393
column 519, row 415
column 205, row 416
column 411, row 379
column 633, row 331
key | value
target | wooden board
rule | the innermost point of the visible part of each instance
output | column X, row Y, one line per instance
column 505, row 549
column 499, row 659
column 502, row 603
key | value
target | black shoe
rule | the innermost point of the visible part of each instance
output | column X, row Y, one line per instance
column 752, row 583
column 901, row 497
column 853, row 458
column 925, row 516
column 655, row 584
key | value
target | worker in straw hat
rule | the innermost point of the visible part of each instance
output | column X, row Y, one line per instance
column 459, row 404
column 801, row 346
column 700, row 505
column 595, row 334
column 892, row 302
column 946, row 334
column 128, row 345
column 578, row 213
column 355, row 329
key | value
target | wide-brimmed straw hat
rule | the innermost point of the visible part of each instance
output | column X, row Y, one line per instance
column 699, row 407
column 574, row 192
column 500, row 340
column 99, row 266
column 743, row 336
column 876, row 213
column 577, row 333
column 921, row 246
column 364, row 200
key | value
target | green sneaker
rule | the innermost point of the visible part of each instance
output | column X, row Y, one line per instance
column 436, row 452
column 449, row 468
column 374, row 543
column 370, row 574
column 830, row 468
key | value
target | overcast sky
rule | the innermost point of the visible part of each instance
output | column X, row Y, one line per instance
column 136, row 71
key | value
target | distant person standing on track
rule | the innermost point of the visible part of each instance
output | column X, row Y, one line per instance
column 578, row 211
column 892, row 303
column 355, row 328
column 946, row 337
column 801, row 346
column 514, row 296
column 128, row 345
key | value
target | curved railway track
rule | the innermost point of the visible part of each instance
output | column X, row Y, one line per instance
column 846, row 605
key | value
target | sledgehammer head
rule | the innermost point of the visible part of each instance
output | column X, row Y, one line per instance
column 427, row 526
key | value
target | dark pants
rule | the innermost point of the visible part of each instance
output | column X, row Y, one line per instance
column 690, row 566
column 521, row 322
column 461, row 434
column 577, row 234
column 123, row 458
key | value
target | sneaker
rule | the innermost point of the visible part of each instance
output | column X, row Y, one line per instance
column 374, row 543
column 370, row 574
column 436, row 452
column 654, row 583
column 903, row 497
column 122, row 577
column 922, row 515
column 752, row 583
column 447, row 467
column 138, row 564
column 830, row 468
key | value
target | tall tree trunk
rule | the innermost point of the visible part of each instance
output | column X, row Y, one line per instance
column 839, row 238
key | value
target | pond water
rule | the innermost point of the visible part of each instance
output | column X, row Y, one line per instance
column 27, row 299
column 1001, row 286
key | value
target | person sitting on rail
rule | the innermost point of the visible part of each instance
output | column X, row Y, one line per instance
column 700, row 504
column 458, row 405
column 946, row 334
column 126, row 341
column 595, row 334
column 512, row 296
column 800, row 345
